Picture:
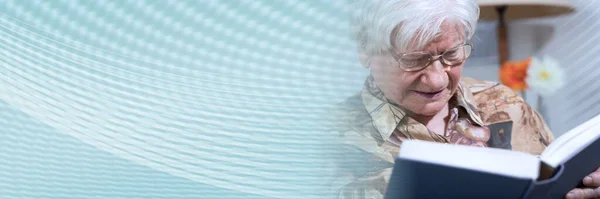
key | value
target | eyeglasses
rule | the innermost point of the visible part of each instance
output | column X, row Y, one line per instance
column 415, row 61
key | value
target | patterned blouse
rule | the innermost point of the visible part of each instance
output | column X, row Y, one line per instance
column 371, row 130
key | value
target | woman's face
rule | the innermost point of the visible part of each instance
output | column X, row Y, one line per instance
column 424, row 92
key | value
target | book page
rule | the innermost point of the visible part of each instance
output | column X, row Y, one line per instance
column 569, row 135
column 497, row 161
column 572, row 142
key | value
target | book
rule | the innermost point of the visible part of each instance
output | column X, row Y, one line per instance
column 436, row 170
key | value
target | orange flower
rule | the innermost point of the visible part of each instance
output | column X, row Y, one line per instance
column 513, row 74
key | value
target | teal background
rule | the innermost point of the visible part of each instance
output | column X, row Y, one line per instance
column 170, row 99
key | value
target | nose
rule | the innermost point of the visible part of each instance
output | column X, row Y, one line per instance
column 435, row 76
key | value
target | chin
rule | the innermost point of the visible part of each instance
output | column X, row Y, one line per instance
column 428, row 112
column 429, row 109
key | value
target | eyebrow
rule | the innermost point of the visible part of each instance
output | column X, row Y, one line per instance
column 427, row 52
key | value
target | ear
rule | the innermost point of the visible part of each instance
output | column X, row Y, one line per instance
column 365, row 60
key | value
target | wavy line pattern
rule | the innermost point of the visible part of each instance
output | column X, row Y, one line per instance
column 165, row 97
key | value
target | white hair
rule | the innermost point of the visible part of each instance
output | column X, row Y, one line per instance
column 379, row 26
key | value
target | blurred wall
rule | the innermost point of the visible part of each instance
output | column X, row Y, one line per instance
column 573, row 40
column 574, row 44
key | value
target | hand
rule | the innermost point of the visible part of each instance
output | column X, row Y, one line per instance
column 592, row 189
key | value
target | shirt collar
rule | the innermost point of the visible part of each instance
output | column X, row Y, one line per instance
column 466, row 100
column 386, row 116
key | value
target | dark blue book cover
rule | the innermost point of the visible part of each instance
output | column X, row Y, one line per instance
column 414, row 179
column 419, row 179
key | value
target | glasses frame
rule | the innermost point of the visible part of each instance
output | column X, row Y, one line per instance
column 432, row 58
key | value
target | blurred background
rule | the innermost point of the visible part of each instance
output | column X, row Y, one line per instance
column 214, row 99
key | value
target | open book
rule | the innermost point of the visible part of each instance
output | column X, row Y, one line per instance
column 435, row 170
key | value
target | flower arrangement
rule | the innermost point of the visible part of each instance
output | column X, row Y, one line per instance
column 513, row 74
column 544, row 76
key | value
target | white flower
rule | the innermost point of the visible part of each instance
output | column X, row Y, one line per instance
column 545, row 76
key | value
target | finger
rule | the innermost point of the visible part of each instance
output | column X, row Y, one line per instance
column 581, row 193
column 591, row 192
column 592, row 180
column 588, row 193
column 576, row 193
column 597, row 192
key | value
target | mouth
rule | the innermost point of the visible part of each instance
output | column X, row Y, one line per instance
column 430, row 95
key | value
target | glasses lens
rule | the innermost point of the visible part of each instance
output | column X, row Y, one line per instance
column 414, row 61
column 468, row 50
column 456, row 55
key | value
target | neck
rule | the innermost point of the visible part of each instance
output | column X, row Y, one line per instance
column 427, row 118
column 437, row 122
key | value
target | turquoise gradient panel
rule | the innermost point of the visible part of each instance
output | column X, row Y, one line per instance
column 39, row 162
column 171, row 99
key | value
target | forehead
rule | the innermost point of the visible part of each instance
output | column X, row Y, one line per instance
column 449, row 36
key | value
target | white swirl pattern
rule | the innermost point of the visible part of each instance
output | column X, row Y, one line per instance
column 230, row 94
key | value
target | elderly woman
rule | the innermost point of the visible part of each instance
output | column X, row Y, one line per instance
column 415, row 51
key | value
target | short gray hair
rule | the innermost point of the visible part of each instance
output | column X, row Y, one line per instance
column 382, row 25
